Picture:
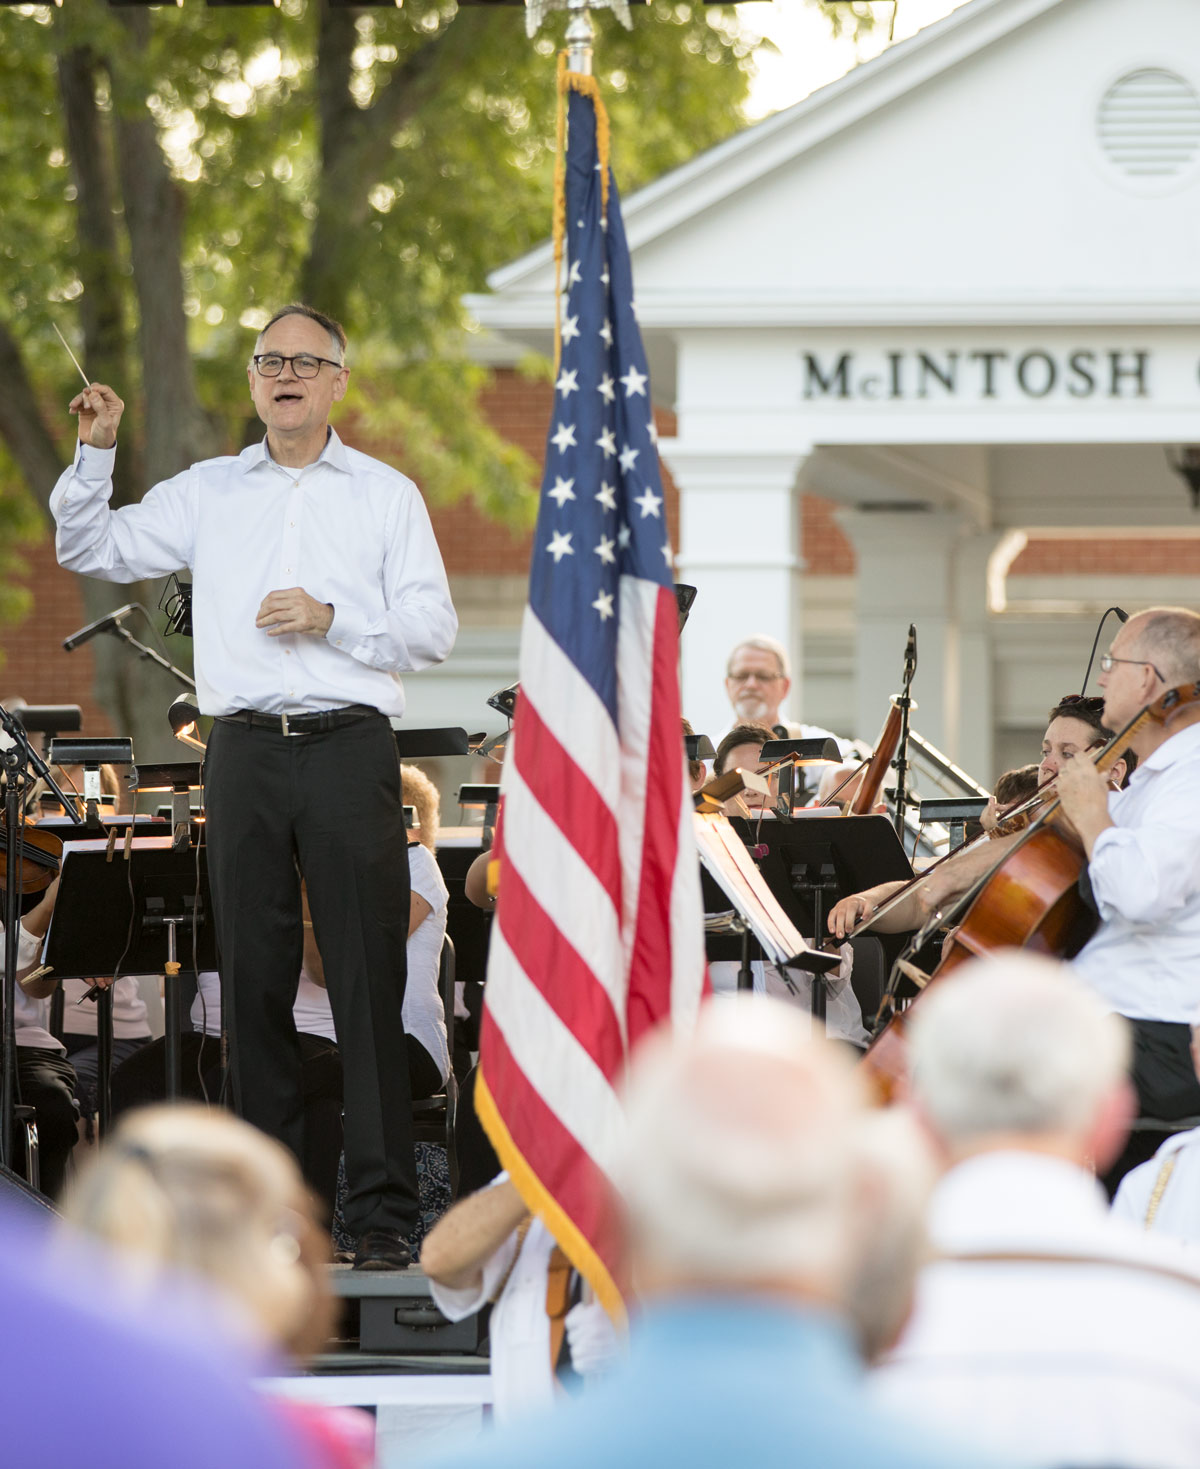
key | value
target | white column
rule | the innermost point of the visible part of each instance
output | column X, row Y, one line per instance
column 905, row 575
column 739, row 546
column 974, row 745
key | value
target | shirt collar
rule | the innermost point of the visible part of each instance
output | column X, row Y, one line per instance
column 1008, row 1194
column 333, row 454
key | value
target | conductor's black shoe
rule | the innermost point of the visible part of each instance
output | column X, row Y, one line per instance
column 379, row 1249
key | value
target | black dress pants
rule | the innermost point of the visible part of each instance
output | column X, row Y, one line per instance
column 46, row 1082
column 329, row 802
column 1167, row 1089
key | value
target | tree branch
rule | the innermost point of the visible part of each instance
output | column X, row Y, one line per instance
column 107, row 350
column 178, row 430
column 22, row 426
column 356, row 143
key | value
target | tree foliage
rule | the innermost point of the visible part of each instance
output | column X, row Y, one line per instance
column 170, row 176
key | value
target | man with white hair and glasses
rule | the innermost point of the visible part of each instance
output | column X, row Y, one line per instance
column 1043, row 1326
column 758, row 678
column 741, row 1180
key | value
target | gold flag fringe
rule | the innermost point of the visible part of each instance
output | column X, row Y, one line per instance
column 573, row 81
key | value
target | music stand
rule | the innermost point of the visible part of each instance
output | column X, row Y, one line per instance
column 822, row 860
column 726, row 858
column 94, row 932
column 425, row 744
column 180, row 777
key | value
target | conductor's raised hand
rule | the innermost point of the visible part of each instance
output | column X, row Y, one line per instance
column 99, row 410
column 293, row 610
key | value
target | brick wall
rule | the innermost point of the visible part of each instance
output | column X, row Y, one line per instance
column 1144, row 556
column 34, row 665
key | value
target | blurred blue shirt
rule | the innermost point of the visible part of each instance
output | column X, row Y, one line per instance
column 719, row 1381
column 89, row 1377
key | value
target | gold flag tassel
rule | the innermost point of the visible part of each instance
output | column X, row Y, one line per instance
column 573, row 81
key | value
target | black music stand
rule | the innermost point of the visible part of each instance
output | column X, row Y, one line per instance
column 759, row 909
column 818, row 860
column 93, row 931
column 424, row 744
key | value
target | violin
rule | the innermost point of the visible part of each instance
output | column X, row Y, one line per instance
column 1028, row 900
column 39, row 854
column 864, row 798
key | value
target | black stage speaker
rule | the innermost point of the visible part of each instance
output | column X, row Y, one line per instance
column 15, row 1194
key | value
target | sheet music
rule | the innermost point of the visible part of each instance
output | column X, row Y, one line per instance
column 726, row 857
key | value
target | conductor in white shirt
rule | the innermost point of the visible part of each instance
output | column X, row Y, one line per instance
column 316, row 582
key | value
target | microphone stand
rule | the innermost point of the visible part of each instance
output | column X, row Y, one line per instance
column 154, row 656
column 16, row 760
column 904, row 704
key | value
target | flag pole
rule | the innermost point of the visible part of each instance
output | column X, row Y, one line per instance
column 581, row 34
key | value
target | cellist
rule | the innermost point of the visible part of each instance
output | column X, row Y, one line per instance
column 1075, row 726
column 1143, row 850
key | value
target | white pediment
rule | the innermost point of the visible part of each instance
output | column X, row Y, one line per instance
column 969, row 174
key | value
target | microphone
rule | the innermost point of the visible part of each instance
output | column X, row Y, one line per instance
column 910, row 653
column 102, row 624
column 1124, row 617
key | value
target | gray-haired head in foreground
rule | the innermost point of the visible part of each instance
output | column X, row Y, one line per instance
column 1014, row 1045
column 738, row 1165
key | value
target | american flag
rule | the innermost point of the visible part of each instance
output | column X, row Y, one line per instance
column 598, row 932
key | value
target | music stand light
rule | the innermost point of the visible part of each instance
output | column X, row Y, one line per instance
column 183, row 715
column 711, row 797
column 91, row 754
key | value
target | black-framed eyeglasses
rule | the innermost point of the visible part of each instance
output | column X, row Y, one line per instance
column 304, row 364
column 1107, row 660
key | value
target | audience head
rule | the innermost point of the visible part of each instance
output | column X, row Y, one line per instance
column 193, row 1190
column 738, row 1170
column 896, row 1174
column 757, row 679
column 1015, row 1052
column 421, row 793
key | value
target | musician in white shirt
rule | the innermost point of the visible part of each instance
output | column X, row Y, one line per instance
column 1143, row 849
column 45, row 1079
column 317, row 582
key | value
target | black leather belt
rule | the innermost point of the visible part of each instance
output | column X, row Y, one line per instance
column 298, row 724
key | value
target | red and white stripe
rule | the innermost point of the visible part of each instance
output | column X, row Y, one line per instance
column 598, row 933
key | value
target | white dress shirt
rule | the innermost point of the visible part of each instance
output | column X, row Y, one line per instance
column 516, row 1277
column 1144, row 959
column 1176, row 1210
column 1081, row 1351
column 29, row 1015
column 350, row 530
column 843, row 1014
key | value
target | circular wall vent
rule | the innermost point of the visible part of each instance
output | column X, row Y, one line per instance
column 1148, row 124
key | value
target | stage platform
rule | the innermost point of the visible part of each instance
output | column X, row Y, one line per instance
column 395, row 1354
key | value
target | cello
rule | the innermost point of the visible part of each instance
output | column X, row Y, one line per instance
column 1028, row 899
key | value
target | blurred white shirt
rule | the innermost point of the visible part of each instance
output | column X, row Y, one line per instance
column 1076, row 1348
